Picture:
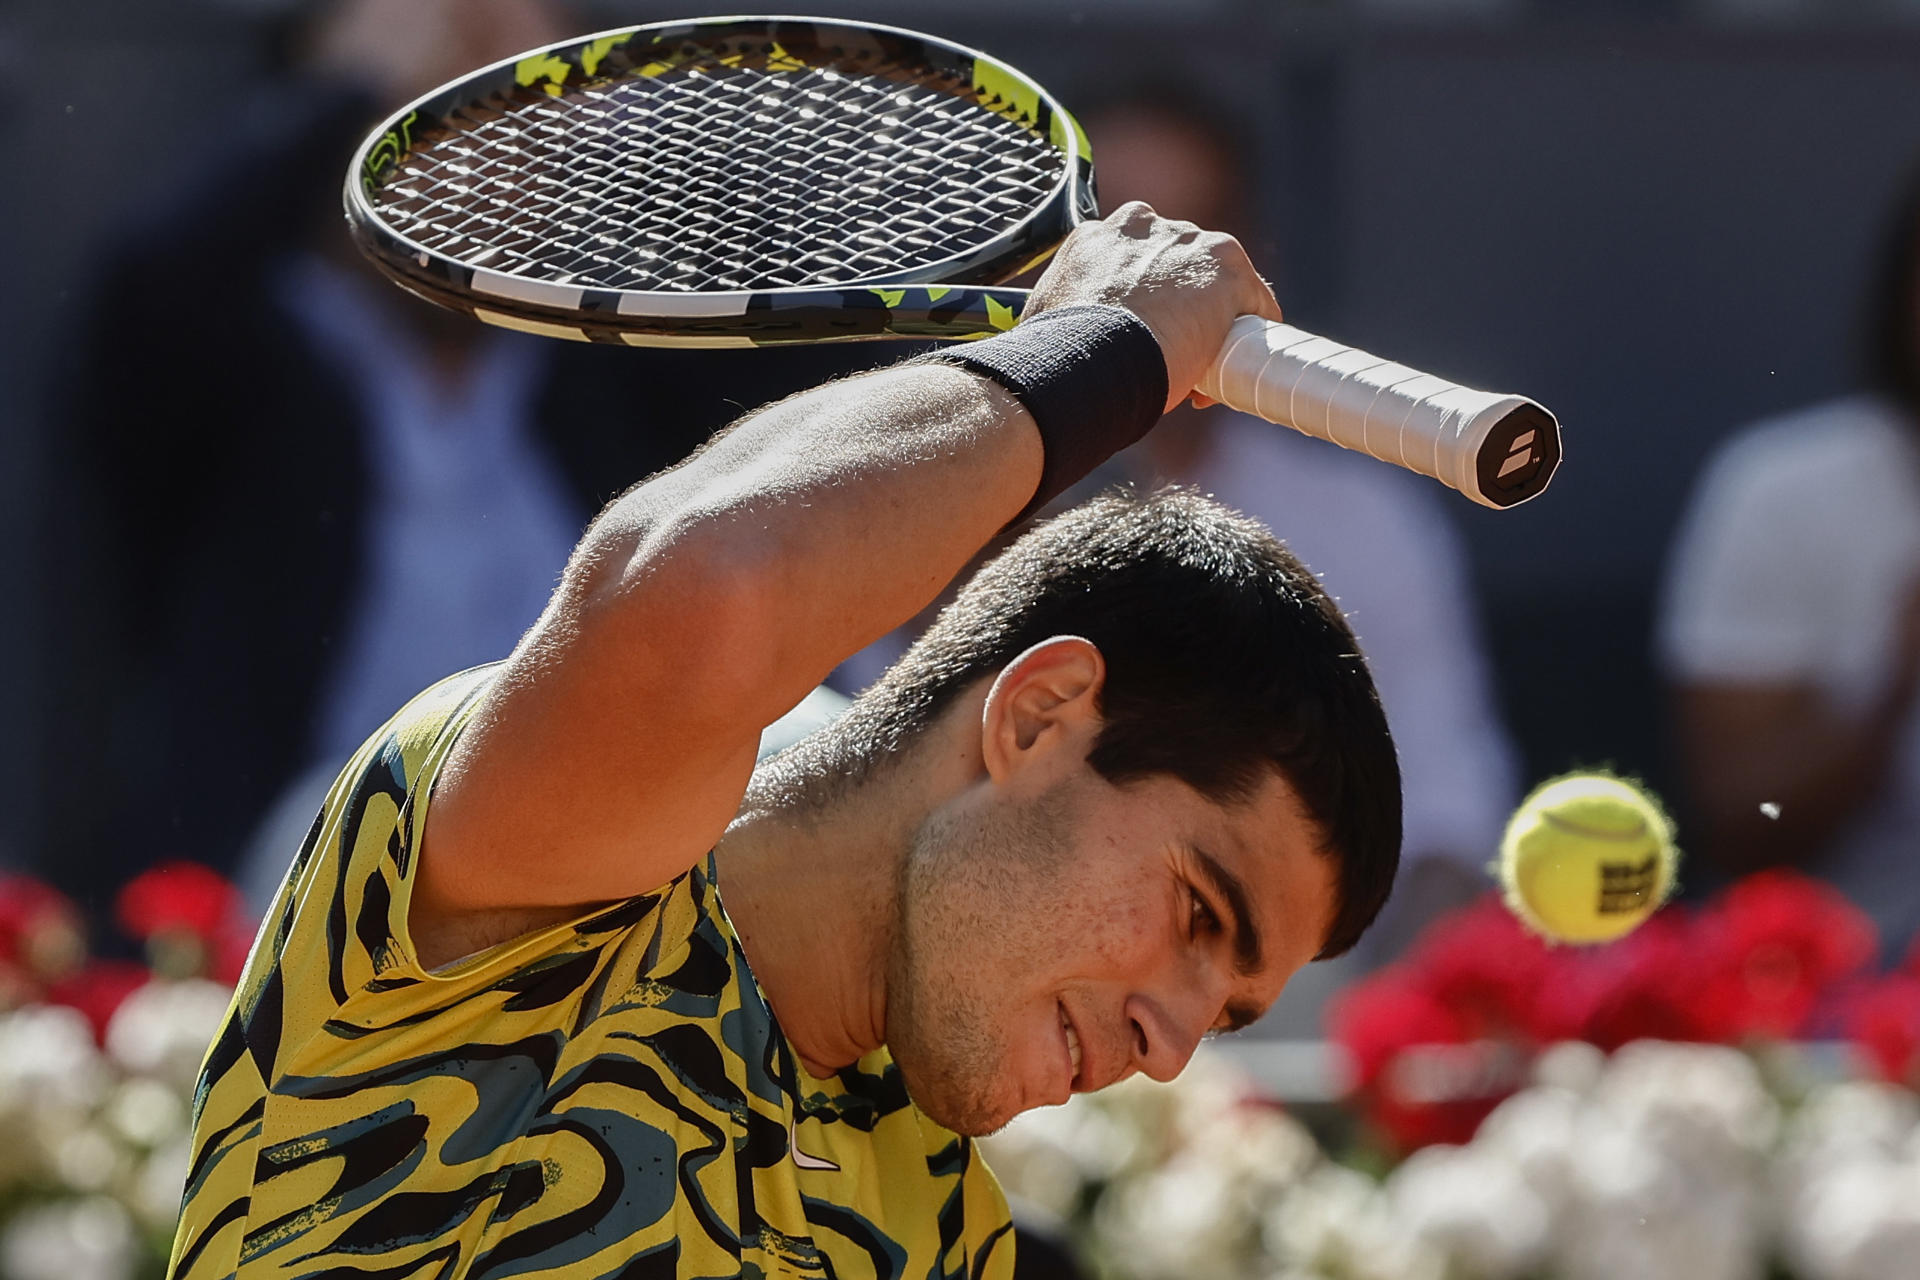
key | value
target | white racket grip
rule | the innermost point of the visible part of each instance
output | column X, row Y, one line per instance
column 1499, row 450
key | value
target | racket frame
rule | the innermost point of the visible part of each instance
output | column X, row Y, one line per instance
column 1499, row 455
column 937, row 299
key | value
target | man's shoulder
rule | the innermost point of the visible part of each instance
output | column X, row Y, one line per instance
column 402, row 758
column 441, row 707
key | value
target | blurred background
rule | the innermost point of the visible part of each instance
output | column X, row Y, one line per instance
column 1665, row 219
column 1655, row 216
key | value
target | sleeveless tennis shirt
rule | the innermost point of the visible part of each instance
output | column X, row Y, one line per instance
column 606, row 1098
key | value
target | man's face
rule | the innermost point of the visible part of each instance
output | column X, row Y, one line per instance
column 1056, row 941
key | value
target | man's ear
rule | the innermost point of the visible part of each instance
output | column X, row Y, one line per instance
column 1042, row 703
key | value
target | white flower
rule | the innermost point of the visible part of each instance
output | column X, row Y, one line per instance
column 1210, row 1086
column 1336, row 1223
column 1334, row 1213
column 1183, row 1219
column 1703, row 1104
column 86, row 1158
column 146, row 1112
column 163, row 1029
column 1188, row 1170
column 1848, row 1183
column 90, row 1239
column 1851, row 1119
column 48, row 1059
column 1262, row 1150
column 1036, row 1159
column 1857, row 1220
column 1667, row 1182
column 154, row 1193
column 51, row 1080
column 1206, row 1164
column 1538, row 1131
column 1572, row 1065
column 1705, row 1238
column 1472, row 1206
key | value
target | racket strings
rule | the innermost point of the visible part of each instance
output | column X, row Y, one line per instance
column 720, row 177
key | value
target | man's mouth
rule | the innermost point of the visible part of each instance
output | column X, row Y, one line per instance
column 1073, row 1046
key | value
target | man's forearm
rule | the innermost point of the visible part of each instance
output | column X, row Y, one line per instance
column 826, row 519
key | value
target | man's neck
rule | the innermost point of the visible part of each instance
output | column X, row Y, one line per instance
column 812, row 886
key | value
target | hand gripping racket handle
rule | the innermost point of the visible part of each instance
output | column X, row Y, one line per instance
column 1499, row 450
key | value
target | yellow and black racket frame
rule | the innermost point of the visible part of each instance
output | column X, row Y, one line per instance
column 951, row 298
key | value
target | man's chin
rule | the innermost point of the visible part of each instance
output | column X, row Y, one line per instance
column 971, row 1114
column 969, row 1123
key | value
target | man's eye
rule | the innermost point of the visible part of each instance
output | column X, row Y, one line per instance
column 1201, row 917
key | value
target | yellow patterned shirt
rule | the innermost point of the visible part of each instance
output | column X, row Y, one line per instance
column 606, row 1098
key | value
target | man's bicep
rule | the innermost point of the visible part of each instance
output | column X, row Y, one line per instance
column 606, row 760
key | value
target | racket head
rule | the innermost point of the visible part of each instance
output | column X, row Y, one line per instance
column 725, row 182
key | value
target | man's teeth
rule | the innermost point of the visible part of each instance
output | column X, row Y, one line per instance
column 1073, row 1047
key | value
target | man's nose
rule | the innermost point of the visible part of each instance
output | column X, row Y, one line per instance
column 1167, row 1031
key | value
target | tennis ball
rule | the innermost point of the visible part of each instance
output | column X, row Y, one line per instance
column 1586, row 857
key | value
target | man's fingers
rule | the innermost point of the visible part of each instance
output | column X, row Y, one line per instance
column 1135, row 217
column 1256, row 296
column 1186, row 283
column 1262, row 303
column 1266, row 287
column 1265, row 305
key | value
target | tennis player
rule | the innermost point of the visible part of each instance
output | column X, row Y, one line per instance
column 561, row 985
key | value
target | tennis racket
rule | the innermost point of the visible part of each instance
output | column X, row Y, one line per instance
column 737, row 182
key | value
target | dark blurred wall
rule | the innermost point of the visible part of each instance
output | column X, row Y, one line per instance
column 1661, row 234
column 1656, row 225
column 100, row 100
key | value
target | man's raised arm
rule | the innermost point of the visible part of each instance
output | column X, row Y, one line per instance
column 614, row 747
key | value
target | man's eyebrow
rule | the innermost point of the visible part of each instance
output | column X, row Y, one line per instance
column 1246, row 935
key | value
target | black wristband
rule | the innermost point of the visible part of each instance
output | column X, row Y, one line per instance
column 1092, row 376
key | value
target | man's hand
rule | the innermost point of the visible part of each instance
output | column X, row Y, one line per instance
column 1188, row 285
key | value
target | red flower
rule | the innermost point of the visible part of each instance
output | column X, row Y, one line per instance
column 1645, row 986
column 98, row 989
column 24, row 902
column 41, row 937
column 1437, row 1041
column 227, row 956
column 1884, row 1020
column 1780, row 941
column 1390, row 1024
column 1499, row 977
column 1380, row 1016
column 193, row 922
column 178, row 897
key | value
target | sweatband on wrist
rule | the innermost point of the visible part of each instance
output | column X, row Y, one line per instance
column 1091, row 376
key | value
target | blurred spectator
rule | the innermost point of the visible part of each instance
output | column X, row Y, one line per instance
column 1790, row 627
column 1377, row 536
column 294, row 495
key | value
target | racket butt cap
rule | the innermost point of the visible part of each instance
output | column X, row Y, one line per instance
column 1518, row 457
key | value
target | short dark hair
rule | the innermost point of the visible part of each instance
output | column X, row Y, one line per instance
column 1225, row 658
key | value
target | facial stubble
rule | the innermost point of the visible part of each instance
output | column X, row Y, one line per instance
column 977, row 913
